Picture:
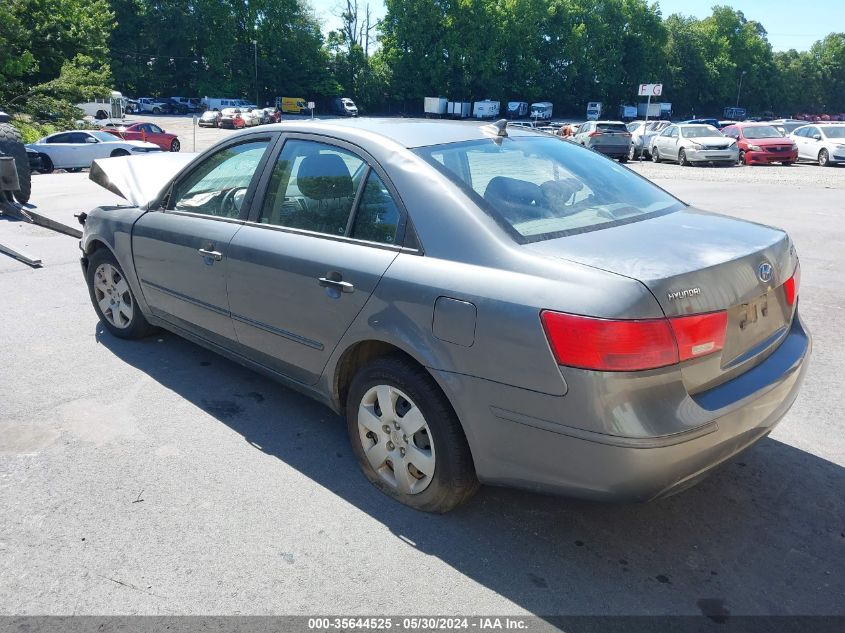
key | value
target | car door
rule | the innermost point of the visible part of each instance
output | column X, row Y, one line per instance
column 664, row 140
column 59, row 149
column 158, row 136
column 181, row 249
column 315, row 248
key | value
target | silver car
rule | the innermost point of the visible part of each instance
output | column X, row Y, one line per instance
column 610, row 138
column 694, row 143
column 642, row 134
column 481, row 303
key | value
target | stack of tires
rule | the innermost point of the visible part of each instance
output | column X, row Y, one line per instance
column 11, row 144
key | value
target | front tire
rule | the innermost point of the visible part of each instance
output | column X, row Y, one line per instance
column 824, row 158
column 175, row 146
column 655, row 154
column 741, row 159
column 682, row 159
column 112, row 297
column 46, row 164
column 408, row 441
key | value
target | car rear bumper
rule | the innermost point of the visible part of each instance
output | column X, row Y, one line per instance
column 529, row 440
column 771, row 157
column 612, row 150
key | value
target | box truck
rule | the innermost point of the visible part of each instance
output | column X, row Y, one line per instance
column 654, row 110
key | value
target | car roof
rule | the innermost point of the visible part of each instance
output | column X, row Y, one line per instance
column 409, row 133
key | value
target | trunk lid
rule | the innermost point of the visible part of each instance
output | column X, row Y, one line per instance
column 695, row 262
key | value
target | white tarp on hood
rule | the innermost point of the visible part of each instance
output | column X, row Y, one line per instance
column 139, row 179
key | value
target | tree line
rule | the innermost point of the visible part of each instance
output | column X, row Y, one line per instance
column 565, row 51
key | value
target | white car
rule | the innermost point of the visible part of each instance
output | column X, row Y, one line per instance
column 642, row 135
column 148, row 104
column 690, row 143
column 823, row 143
column 77, row 149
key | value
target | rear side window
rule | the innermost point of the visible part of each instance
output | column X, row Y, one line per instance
column 540, row 188
column 377, row 217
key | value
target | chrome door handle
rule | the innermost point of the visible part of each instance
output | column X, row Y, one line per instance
column 343, row 286
column 215, row 255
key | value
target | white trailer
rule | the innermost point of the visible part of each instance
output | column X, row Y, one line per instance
column 435, row 106
column 459, row 109
column 542, row 110
column 486, row 109
column 594, row 110
column 517, row 109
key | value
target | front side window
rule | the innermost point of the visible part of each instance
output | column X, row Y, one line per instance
column 541, row 188
column 219, row 185
column 313, row 187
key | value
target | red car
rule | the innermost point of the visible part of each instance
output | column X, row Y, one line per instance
column 149, row 132
column 762, row 144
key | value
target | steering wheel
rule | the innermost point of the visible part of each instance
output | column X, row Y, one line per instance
column 230, row 204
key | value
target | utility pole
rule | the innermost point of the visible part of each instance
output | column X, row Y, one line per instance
column 255, row 53
column 738, row 90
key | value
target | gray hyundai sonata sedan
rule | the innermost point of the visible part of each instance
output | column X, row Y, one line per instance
column 481, row 304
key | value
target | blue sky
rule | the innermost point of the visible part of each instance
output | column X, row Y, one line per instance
column 790, row 24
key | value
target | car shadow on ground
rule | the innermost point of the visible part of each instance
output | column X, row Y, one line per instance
column 763, row 535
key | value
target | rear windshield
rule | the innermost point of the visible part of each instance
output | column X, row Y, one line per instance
column 761, row 131
column 539, row 188
column 611, row 127
column 699, row 131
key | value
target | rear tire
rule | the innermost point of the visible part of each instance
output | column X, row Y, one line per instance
column 788, row 163
column 419, row 427
column 623, row 159
column 113, row 299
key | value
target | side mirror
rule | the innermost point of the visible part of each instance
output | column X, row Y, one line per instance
column 818, row 137
column 91, row 139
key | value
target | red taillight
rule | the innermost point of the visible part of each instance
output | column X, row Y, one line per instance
column 790, row 287
column 628, row 345
column 592, row 134
column 699, row 334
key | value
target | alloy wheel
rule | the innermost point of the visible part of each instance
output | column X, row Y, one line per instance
column 113, row 296
column 396, row 439
column 823, row 158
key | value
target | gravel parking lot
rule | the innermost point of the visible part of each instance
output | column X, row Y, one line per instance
column 155, row 477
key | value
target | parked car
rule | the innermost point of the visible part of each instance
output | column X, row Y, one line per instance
column 232, row 118
column 215, row 103
column 611, row 138
column 34, row 160
column 761, row 144
column 264, row 115
column 294, row 105
column 493, row 306
column 172, row 106
column 642, row 133
column 343, row 106
column 706, row 121
column 209, row 118
column 153, row 106
column 77, row 149
column 692, row 143
column 149, row 132
column 251, row 117
column 188, row 104
column 821, row 143
column 516, row 109
column 787, row 126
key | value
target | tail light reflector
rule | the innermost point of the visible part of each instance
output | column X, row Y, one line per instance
column 790, row 287
column 592, row 134
column 632, row 345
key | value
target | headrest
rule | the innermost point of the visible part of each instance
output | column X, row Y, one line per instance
column 324, row 176
column 513, row 191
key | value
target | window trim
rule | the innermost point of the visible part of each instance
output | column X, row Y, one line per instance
column 403, row 229
column 161, row 205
